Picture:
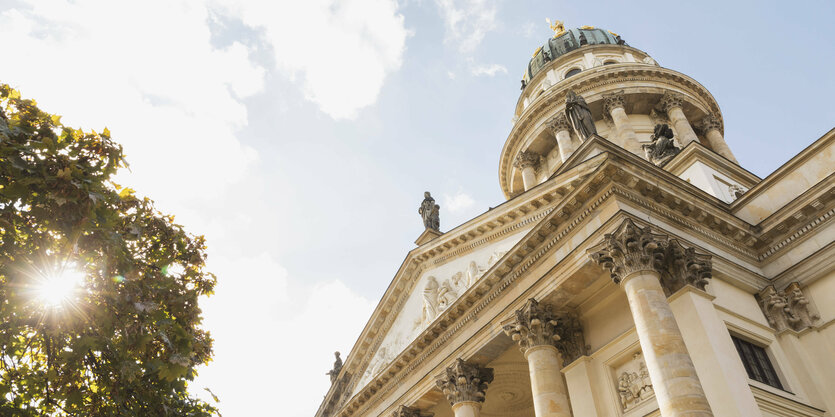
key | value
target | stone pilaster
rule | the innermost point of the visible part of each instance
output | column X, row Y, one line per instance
column 636, row 258
column 672, row 104
column 537, row 329
column 561, row 128
column 711, row 126
column 527, row 162
column 464, row 385
column 615, row 105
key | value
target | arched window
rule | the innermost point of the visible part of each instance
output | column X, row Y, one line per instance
column 610, row 62
column 572, row 72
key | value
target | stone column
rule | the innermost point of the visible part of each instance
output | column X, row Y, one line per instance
column 672, row 105
column 464, row 385
column 527, row 161
column 636, row 259
column 625, row 135
column 546, row 339
column 561, row 128
column 712, row 128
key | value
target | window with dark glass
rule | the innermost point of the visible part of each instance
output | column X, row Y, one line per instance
column 610, row 62
column 756, row 362
column 574, row 71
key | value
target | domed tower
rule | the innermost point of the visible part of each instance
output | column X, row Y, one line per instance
column 627, row 95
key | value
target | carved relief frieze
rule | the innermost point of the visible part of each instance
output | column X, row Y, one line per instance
column 633, row 383
column 787, row 309
column 403, row 411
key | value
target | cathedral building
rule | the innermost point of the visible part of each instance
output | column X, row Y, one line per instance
column 636, row 269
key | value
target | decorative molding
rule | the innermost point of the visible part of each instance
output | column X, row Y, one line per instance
column 710, row 122
column 464, row 381
column 403, row 411
column 533, row 325
column 670, row 101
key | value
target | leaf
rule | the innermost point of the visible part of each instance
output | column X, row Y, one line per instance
column 56, row 120
column 106, row 132
column 126, row 192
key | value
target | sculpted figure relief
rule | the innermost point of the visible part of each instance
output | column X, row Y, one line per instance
column 634, row 386
column 337, row 367
column 578, row 113
column 430, row 212
column 662, row 148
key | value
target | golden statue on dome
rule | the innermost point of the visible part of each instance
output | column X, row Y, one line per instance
column 557, row 27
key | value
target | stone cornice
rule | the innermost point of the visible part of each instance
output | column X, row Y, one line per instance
column 629, row 79
column 696, row 151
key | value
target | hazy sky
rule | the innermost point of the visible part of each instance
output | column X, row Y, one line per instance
column 299, row 136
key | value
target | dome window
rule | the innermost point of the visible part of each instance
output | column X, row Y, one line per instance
column 572, row 72
column 610, row 62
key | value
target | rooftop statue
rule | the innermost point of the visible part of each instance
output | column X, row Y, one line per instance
column 662, row 148
column 556, row 26
column 337, row 367
column 430, row 212
column 577, row 111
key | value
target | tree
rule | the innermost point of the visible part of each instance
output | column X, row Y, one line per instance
column 126, row 338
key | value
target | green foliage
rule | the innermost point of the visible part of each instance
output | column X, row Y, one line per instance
column 128, row 341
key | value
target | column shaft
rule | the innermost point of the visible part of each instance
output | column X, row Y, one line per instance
column 566, row 145
column 528, row 177
column 674, row 378
column 466, row 409
column 717, row 142
column 624, row 131
column 550, row 396
column 686, row 134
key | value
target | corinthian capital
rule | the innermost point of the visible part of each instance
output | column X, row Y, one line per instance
column 559, row 123
column 464, row 382
column 403, row 411
column 526, row 159
column 710, row 122
column 630, row 249
column 670, row 101
column 613, row 101
column 533, row 325
column 685, row 267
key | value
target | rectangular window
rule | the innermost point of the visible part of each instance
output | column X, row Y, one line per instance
column 756, row 362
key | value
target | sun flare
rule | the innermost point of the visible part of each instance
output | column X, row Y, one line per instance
column 59, row 288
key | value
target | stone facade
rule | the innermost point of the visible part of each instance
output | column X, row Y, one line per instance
column 610, row 284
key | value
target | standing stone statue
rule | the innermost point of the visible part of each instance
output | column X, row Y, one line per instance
column 662, row 148
column 430, row 212
column 577, row 111
column 337, row 367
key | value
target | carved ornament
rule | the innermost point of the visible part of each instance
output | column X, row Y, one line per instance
column 634, row 384
column 789, row 309
column 464, row 381
column 559, row 123
column 403, row 411
column 630, row 249
column 533, row 325
column 614, row 101
column 526, row 159
column 710, row 122
column 670, row 101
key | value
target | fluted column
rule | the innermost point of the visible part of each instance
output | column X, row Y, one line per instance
column 636, row 259
column 624, row 133
column 527, row 161
column 561, row 128
column 672, row 105
column 464, row 385
column 712, row 126
column 546, row 340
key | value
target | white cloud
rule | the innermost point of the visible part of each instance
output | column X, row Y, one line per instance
column 488, row 70
column 152, row 78
column 467, row 21
column 458, row 203
column 341, row 50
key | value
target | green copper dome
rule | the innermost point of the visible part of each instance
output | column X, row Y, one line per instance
column 566, row 42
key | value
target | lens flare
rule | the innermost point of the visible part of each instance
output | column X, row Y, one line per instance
column 59, row 287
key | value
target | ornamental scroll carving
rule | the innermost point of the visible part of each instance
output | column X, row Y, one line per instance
column 464, row 381
column 526, row 159
column 559, row 123
column 632, row 248
column 789, row 309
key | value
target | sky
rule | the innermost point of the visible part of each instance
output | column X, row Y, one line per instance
column 299, row 136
